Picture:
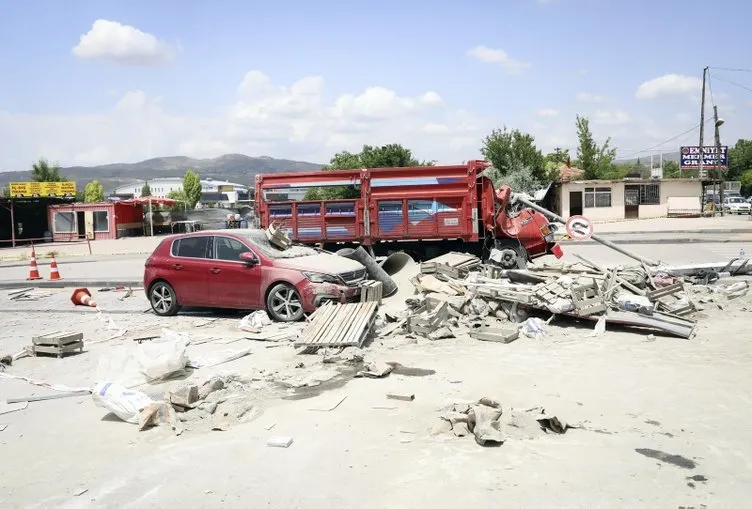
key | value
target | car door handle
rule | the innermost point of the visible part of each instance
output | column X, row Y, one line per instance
column 177, row 266
column 216, row 270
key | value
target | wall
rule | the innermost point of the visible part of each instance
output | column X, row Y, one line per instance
column 675, row 188
column 612, row 213
column 128, row 220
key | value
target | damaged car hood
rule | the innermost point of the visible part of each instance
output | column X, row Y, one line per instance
column 324, row 263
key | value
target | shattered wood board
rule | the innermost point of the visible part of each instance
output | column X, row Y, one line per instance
column 371, row 291
column 58, row 338
column 337, row 325
column 452, row 264
column 424, row 322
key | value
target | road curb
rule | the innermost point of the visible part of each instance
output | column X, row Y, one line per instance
column 655, row 241
column 70, row 283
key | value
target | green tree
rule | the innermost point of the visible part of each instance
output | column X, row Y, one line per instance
column 192, row 188
column 392, row 155
column 6, row 192
column 740, row 159
column 44, row 171
column 558, row 156
column 146, row 190
column 594, row 159
column 512, row 149
column 519, row 178
column 671, row 170
column 93, row 192
column 746, row 180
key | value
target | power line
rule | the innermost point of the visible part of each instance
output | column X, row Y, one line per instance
column 729, row 69
column 685, row 133
column 748, row 89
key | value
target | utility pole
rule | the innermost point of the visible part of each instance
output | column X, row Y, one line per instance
column 702, row 134
column 718, row 167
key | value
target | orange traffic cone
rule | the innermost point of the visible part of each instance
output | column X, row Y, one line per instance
column 82, row 297
column 54, row 273
column 33, row 270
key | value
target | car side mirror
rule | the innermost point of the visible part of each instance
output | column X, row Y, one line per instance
column 249, row 258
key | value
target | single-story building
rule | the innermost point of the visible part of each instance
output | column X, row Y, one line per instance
column 93, row 221
column 609, row 200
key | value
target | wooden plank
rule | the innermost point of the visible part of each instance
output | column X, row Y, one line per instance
column 347, row 315
column 363, row 323
column 319, row 319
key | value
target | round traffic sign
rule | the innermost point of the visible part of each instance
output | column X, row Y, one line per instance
column 579, row 228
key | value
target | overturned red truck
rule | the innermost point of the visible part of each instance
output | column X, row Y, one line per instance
column 424, row 211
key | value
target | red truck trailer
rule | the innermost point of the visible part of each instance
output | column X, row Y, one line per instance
column 423, row 210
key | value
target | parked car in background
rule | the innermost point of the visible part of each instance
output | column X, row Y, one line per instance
column 241, row 269
column 736, row 205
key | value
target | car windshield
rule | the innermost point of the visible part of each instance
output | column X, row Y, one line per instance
column 258, row 240
column 737, row 200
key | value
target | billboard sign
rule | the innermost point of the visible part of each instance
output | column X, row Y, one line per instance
column 690, row 157
column 42, row 189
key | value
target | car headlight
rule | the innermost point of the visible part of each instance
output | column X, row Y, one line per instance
column 318, row 277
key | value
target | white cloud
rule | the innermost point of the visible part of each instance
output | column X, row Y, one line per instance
column 587, row 97
column 123, row 45
column 547, row 112
column 497, row 56
column 611, row 117
column 668, row 85
column 295, row 121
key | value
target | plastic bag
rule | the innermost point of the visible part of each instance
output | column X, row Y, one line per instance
column 151, row 360
column 125, row 403
column 255, row 321
column 534, row 328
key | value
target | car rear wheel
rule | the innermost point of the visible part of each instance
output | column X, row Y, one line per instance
column 284, row 304
column 163, row 299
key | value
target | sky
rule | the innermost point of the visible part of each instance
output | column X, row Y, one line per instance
column 89, row 82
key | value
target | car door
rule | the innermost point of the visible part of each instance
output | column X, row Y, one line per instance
column 233, row 283
column 189, row 269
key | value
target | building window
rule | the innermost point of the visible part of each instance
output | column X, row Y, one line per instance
column 101, row 221
column 650, row 194
column 597, row 197
column 65, row 222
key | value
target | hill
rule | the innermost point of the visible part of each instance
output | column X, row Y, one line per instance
column 237, row 168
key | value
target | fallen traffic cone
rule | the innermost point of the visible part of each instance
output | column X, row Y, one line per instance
column 33, row 270
column 82, row 297
column 54, row 273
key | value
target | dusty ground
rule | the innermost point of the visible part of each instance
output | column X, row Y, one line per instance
column 685, row 401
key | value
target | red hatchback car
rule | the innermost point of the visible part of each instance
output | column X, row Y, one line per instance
column 241, row 269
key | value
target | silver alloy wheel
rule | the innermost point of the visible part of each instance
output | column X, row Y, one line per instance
column 162, row 299
column 285, row 302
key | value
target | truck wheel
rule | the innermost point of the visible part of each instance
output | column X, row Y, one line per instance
column 513, row 255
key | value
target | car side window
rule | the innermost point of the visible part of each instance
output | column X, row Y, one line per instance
column 229, row 249
column 192, row 247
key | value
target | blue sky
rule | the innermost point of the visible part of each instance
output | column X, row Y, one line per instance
column 172, row 88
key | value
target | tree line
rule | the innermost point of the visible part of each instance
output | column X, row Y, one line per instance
column 515, row 158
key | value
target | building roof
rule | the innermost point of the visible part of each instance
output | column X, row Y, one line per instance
column 568, row 172
column 630, row 181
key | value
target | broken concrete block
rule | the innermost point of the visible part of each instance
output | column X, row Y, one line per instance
column 184, row 397
column 483, row 422
column 441, row 333
column 211, row 385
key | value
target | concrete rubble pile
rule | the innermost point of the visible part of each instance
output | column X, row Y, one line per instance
column 491, row 304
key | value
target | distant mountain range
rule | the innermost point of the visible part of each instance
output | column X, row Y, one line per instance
column 667, row 156
column 237, row 168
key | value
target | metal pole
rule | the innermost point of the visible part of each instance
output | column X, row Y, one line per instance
column 718, row 168
column 595, row 237
column 12, row 226
column 151, row 218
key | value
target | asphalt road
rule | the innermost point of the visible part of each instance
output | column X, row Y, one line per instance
column 129, row 269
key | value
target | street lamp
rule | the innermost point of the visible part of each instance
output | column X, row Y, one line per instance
column 718, row 123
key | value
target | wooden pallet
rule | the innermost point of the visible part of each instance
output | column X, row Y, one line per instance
column 57, row 343
column 339, row 325
column 370, row 291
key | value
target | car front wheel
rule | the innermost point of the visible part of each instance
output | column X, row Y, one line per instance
column 284, row 304
column 163, row 299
